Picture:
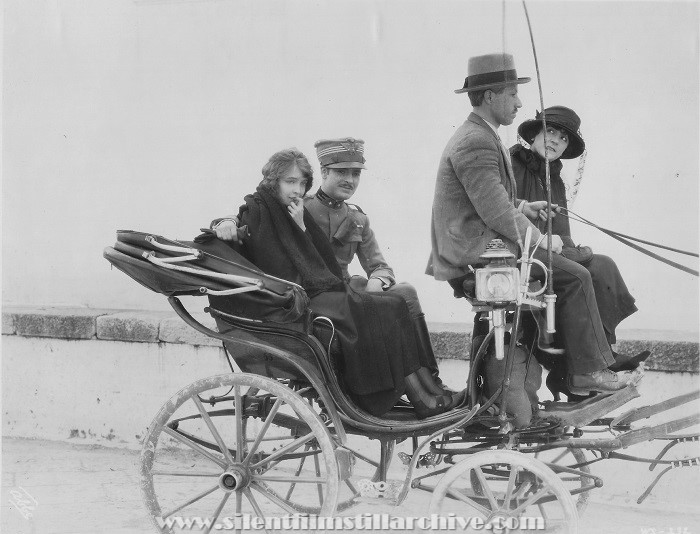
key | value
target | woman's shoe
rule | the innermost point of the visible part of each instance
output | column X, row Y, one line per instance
column 459, row 398
column 425, row 403
column 432, row 386
column 429, row 382
column 557, row 383
column 628, row 363
column 425, row 347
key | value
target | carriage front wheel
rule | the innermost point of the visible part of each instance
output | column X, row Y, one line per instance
column 231, row 450
column 508, row 491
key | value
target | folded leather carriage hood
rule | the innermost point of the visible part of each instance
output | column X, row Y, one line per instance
column 273, row 300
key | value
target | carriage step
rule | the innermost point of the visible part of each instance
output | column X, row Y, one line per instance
column 381, row 492
column 377, row 501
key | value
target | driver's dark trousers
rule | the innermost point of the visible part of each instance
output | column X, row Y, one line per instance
column 579, row 327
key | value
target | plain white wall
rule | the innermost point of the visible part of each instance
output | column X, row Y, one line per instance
column 158, row 116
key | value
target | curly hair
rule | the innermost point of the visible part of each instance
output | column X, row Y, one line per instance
column 279, row 163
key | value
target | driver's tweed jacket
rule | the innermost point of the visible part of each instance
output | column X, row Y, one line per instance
column 474, row 201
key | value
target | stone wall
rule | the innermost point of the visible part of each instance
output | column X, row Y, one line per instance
column 99, row 376
column 672, row 353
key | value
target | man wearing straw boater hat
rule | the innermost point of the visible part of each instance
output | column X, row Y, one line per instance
column 348, row 229
column 475, row 202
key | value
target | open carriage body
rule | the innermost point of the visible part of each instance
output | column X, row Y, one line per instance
column 274, row 439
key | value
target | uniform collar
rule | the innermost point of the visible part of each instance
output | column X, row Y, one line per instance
column 326, row 200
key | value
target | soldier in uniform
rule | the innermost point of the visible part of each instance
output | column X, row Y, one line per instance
column 348, row 229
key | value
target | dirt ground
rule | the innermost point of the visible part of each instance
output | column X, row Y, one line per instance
column 85, row 489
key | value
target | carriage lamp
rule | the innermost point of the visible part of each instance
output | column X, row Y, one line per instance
column 499, row 279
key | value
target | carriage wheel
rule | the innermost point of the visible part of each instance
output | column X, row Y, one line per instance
column 258, row 451
column 507, row 490
column 573, row 482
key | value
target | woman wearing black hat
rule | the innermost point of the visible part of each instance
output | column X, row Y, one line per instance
column 564, row 141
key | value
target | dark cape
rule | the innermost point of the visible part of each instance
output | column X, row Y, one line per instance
column 375, row 330
column 615, row 302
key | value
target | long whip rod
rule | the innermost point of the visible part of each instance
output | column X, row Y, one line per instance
column 550, row 288
column 549, row 296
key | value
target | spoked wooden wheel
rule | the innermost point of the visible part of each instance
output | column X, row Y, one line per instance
column 229, row 449
column 578, row 484
column 508, row 490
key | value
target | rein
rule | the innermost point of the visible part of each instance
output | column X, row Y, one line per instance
column 627, row 240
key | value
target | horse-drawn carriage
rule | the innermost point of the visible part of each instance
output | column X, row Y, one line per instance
column 278, row 438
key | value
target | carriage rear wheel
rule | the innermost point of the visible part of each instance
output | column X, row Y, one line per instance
column 229, row 449
column 508, row 491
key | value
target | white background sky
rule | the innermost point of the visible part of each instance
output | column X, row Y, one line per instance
column 158, row 116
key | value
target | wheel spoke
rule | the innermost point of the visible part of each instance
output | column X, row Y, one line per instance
column 272, row 497
column 294, row 445
column 353, row 489
column 192, row 500
column 556, row 460
column 213, row 430
column 217, row 512
column 531, row 500
column 238, row 402
column 268, row 420
column 511, row 485
column 184, row 458
column 296, row 474
column 522, row 489
column 239, row 501
column 466, row 500
column 521, row 486
column 254, row 504
column 319, row 486
column 298, row 480
column 191, row 444
column 573, row 471
column 485, row 487
column 180, row 474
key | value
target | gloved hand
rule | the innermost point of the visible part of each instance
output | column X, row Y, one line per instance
column 557, row 244
column 579, row 254
column 374, row 285
column 227, row 230
column 538, row 210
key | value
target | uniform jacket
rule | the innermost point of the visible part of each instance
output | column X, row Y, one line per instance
column 375, row 330
column 475, row 201
column 348, row 230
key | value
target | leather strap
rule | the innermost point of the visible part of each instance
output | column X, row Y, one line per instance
column 627, row 240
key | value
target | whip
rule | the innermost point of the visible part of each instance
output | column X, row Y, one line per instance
column 549, row 296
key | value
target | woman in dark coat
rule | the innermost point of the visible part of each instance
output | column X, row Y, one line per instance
column 564, row 141
column 380, row 357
